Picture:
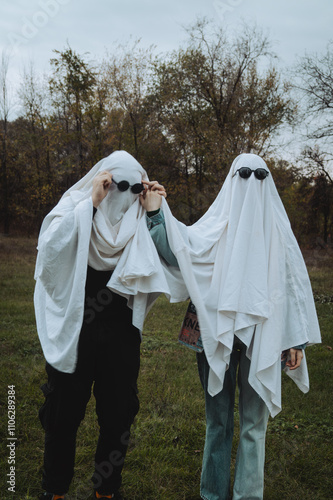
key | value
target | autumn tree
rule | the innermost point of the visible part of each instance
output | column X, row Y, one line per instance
column 313, row 80
column 5, row 106
column 213, row 102
column 185, row 116
column 72, row 87
column 322, row 205
column 34, row 145
column 99, row 121
column 316, row 166
column 128, row 72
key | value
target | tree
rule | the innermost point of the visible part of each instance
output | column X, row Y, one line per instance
column 316, row 162
column 212, row 103
column 128, row 72
column 35, row 145
column 316, row 166
column 100, row 136
column 72, row 87
column 5, row 107
column 314, row 80
column 322, row 204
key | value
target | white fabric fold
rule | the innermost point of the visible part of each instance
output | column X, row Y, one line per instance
column 240, row 264
column 117, row 239
column 247, row 278
column 60, row 283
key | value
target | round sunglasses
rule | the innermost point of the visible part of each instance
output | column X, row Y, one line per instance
column 124, row 185
column 245, row 173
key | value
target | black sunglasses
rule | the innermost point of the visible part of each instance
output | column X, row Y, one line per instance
column 124, row 185
column 245, row 173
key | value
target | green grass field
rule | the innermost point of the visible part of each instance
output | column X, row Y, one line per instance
column 165, row 454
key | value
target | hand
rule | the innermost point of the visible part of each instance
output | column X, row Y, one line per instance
column 155, row 186
column 296, row 356
column 151, row 197
column 101, row 184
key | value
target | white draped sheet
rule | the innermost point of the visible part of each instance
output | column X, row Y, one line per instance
column 240, row 264
column 246, row 277
column 117, row 239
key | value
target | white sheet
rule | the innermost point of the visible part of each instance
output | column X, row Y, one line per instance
column 116, row 239
column 246, row 277
column 240, row 264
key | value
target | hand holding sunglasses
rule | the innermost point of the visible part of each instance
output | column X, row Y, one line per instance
column 151, row 198
column 101, row 184
column 155, row 186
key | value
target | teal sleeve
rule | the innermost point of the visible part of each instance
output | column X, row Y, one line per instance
column 301, row 346
column 156, row 226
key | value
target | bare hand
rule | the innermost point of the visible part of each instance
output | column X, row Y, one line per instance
column 155, row 186
column 296, row 356
column 151, row 197
column 101, row 184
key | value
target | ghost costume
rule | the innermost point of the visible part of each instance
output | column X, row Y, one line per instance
column 89, row 331
column 248, row 281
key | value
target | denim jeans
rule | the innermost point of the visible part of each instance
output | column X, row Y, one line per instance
column 253, row 414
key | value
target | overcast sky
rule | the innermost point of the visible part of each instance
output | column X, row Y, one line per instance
column 34, row 28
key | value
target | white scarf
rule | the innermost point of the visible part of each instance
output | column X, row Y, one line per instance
column 116, row 239
column 246, row 277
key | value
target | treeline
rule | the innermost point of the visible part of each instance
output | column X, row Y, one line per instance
column 184, row 116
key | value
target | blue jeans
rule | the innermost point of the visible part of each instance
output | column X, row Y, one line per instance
column 253, row 414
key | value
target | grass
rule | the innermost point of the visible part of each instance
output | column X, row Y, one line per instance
column 165, row 454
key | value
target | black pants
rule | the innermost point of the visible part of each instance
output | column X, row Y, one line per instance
column 108, row 360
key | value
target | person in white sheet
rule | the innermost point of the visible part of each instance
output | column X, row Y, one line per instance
column 89, row 332
column 248, row 281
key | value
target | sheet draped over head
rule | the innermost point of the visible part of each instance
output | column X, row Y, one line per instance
column 240, row 264
column 116, row 239
column 246, row 276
